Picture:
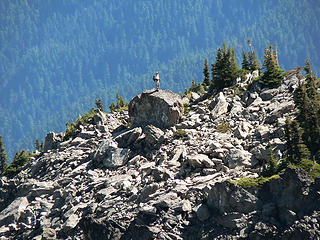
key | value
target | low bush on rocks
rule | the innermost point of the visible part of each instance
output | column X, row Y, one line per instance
column 223, row 127
column 72, row 128
column 20, row 160
column 186, row 108
column 309, row 166
column 180, row 134
column 253, row 182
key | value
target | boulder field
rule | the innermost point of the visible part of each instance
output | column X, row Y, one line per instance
column 165, row 171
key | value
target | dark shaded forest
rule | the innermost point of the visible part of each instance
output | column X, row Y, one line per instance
column 57, row 57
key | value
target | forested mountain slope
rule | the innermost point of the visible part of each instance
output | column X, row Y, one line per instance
column 56, row 57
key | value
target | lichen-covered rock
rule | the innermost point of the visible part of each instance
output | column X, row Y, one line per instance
column 162, row 108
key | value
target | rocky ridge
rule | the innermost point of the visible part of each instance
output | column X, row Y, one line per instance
column 111, row 181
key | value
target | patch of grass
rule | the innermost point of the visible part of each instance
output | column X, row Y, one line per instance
column 223, row 127
column 180, row 134
column 312, row 168
column 253, row 182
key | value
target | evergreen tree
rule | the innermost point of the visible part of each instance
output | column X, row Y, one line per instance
column 120, row 101
column 297, row 150
column 41, row 146
column 206, row 80
column 273, row 75
column 112, row 107
column 312, row 117
column 99, row 104
column 120, row 104
column 37, row 144
column 245, row 61
column 20, row 160
column 307, row 100
column 252, row 59
column 253, row 62
column 3, row 157
column 225, row 69
column 271, row 168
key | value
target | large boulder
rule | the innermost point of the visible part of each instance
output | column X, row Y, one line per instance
column 162, row 108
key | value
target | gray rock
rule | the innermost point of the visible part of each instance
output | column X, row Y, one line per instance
column 269, row 210
column 236, row 109
column 101, row 228
column 194, row 96
column 232, row 220
column 227, row 197
column 128, row 137
column 41, row 188
column 161, row 174
column 219, row 105
column 71, row 222
column 261, row 153
column 105, row 193
column 262, row 131
column 238, row 158
column 161, row 108
column 50, row 141
column 86, row 134
column 199, row 161
column 283, row 108
column 239, row 133
column 169, row 200
column 48, row 234
column 268, row 94
column 99, row 118
column 154, row 136
column 184, row 206
column 147, row 191
column 203, row 212
column 12, row 213
column 287, row 216
column 110, row 155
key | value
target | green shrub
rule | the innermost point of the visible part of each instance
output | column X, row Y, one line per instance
column 308, row 165
column 223, row 127
column 180, row 134
column 186, row 108
column 253, row 182
column 20, row 160
column 72, row 128
column 121, row 105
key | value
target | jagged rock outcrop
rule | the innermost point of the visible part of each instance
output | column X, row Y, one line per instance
column 109, row 181
column 161, row 108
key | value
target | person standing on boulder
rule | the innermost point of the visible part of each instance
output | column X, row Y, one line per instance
column 156, row 78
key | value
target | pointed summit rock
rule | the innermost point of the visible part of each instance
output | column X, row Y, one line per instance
column 162, row 108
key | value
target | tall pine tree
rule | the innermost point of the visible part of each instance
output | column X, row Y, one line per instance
column 3, row 157
column 307, row 100
column 206, row 74
column 245, row 61
column 252, row 59
column 312, row 120
column 297, row 150
column 225, row 69
column 273, row 75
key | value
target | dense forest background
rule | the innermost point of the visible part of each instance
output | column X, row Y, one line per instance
column 58, row 56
